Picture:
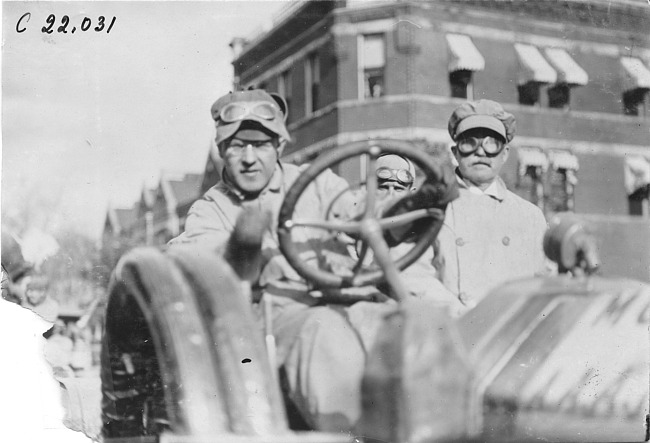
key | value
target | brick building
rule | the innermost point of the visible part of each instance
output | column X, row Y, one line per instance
column 575, row 74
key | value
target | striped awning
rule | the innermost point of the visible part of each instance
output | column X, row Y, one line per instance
column 533, row 67
column 635, row 73
column 531, row 157
column 637, row 173
column 568, row 71
column 463, row 55
column 560, row 159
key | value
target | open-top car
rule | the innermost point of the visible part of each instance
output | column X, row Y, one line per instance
column 556, row 358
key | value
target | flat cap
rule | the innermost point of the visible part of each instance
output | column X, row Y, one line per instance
column 267, row 109
column 482, row 114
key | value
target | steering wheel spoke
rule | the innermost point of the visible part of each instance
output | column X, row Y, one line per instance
column 347, row 227
column 371, row 182
column 397, row 221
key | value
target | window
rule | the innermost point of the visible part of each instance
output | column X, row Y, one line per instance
column 464, row 59
column 559, row 96
column 562, row 179
column 529, row 93
column 461, row 84
column 634, row 102
column 312, row 83
column 560, row 190
column 285, row 90
column 636, row 83
column 637, row 184
column 533, row 71
column 372, row 64
column 530, row 186
column 569, row 74
column 639, row 202
column 532, row 167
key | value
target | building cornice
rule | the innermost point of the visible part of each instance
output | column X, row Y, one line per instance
column 440, row 100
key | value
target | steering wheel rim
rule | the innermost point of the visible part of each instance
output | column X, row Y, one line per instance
column 325, row 279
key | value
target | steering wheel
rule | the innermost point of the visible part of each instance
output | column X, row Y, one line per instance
column 371, row 228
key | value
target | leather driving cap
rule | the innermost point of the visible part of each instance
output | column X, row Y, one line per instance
column 274, row 123
column 482, row 114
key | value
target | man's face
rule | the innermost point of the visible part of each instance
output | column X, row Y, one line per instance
column 480, row 168
column 250, row 161
column 394, row 178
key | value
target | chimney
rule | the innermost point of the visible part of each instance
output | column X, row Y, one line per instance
column 237, row 45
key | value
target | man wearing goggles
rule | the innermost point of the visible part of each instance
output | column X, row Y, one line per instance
column 490, row 234
column 395, row 175
column 395, row 179
column 320, row 349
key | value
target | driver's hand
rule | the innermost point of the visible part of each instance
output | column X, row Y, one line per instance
column 433, row 193
column 244, row 248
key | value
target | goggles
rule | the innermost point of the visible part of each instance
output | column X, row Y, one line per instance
column 238, row 111
column 402, row 176
column 236, row 148
column 490, row 145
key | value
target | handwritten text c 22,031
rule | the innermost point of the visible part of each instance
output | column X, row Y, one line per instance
column 100, row 24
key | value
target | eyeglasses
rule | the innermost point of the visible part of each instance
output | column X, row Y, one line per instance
column 403, row 176
column 238, row 111
column 470, row 145
column 236, row 148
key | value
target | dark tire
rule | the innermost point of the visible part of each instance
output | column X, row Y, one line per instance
column 157, row 365
column 182, row 351
column 252, row 397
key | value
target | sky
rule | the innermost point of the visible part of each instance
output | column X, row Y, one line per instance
column 90, row 117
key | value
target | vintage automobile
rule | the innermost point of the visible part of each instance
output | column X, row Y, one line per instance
column 562, row 358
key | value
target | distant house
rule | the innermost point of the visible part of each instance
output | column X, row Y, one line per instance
column 184, row 192
column 118, row 233
column 174, row 196
column 158, row 216
column 119, row 221
column 143, row 228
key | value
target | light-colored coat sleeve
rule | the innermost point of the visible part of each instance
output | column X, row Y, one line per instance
column 210, row 221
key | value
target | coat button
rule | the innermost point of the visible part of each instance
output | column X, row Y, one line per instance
column 506, row 240
column 460, row 241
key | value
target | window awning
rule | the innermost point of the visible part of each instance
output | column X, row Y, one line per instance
column 531, row 157
column 568, row 71
column 636, row 74
column 560, row 159
column 637, row 173
column 533, row 67
column 463, row 54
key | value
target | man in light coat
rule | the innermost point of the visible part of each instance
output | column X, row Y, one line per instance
column 321, row 348
column 490, row 235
